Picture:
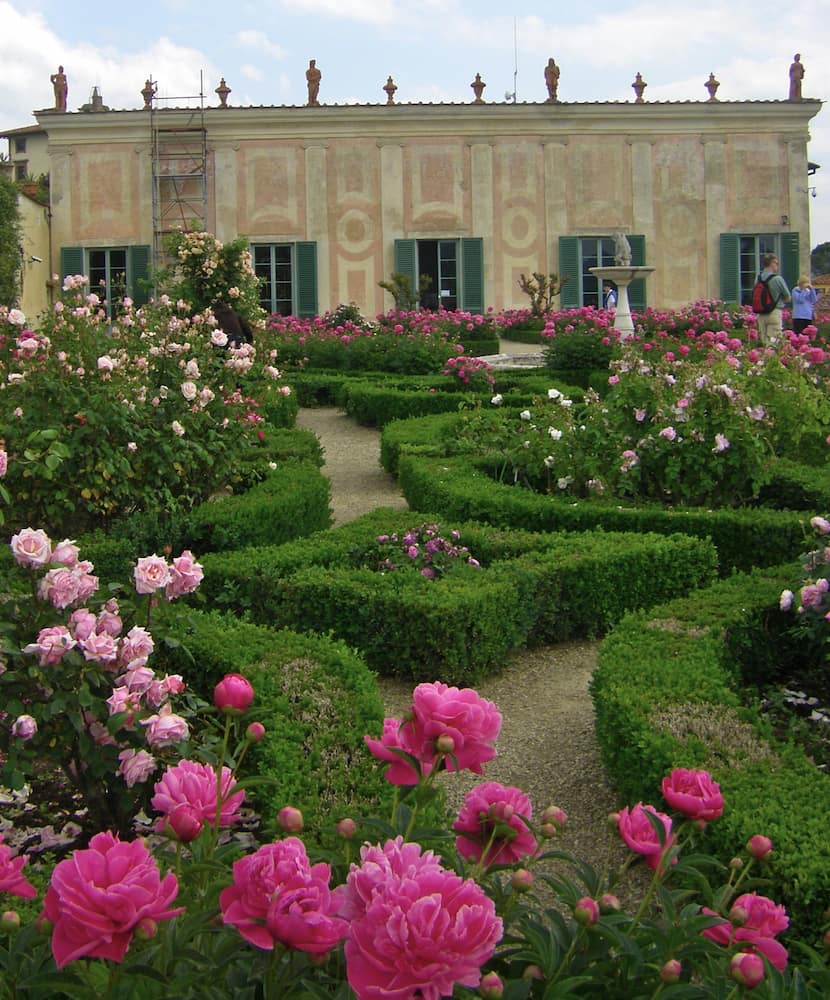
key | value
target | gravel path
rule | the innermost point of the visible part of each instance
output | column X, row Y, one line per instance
column 547, row 745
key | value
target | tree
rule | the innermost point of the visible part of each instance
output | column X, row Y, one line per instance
column 9, row 243
column 820, row 259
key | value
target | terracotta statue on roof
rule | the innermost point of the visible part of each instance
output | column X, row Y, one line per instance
column 313, row 76
column 478, row 86
column 552, row 80
column 712, row 86
column 796, row 76
column 61, row 88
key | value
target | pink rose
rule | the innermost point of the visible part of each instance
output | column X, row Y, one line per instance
column 137, row 645
column 185, row 576
column 761, row 920
column 59, row 587
column 138, row 677
column 66, row 553
column 31, row 548
column 4, row 462
column 165, row 729
column 233, row 694
column 109, row 623
column 135, row 766
column 24, row 727
column 195, row 784
column 99, row 896
column 418, row 934
column 150, row 574
column 641, row 837
column 494, row 818
column 51, row 644
column 278, row 896
column 160, row 689
column 100, row 648
column 82, row 623
column 11, row 881
column 693, row 793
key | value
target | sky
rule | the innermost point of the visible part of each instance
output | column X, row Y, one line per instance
column 432, row 49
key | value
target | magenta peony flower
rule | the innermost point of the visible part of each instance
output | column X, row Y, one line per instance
column 394, row 738
column 31, row 548
column 51, row 644
column 693, row 793
column 99, row 896
column 471, row 722
column 233, row 694
column 11, row 881
column 418, row 929
column 195, row 785
column 278, row 896
column 761, row 920
column 185, row 576
column 151, row 573
column 494, row 820
column 759, row 847
column 641, row 837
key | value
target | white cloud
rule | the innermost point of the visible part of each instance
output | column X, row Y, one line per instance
column 364, row 11
column 251, row 72
column 259, row 40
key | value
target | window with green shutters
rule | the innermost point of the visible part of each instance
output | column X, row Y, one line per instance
column 578, row 254
column 113, row 272
column 741, row 261
column 288, row 277
column 455, row 268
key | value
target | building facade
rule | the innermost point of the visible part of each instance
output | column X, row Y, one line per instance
column 333, row 199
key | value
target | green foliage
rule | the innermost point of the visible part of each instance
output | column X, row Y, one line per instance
column 542, row 290
column 9, row 243
column 578, row 354
column 400, row 288
column 820, row 259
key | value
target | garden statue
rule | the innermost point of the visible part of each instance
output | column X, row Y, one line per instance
column 622, row 250
column 478, row 86
column 712, row 86
column 796, row 76
column 552, row 80
column 313, row 75
column 639, row 86
column 390, row 89
column 61, row 89
column 149, row 92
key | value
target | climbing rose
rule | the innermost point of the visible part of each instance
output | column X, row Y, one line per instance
column 693, row 793
column 150, row 574
column 135, row 766
column 194, row 784
column 185, row 576
column 11, row 881
column 31, row 548
column 52, row 643
column 98, row 897
column 494, row 818
column 416, row 929
column 165, row 728
column 641, row 837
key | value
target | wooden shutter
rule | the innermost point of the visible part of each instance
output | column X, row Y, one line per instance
column 72, row 261
column 472, row 274
column 305, row 259
column 571, row 297
column 790, row 258
column 138, row 273
column 406, row 261
column 730, row 268
column 637, row 289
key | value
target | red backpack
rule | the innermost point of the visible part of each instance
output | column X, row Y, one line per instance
column 762, row 298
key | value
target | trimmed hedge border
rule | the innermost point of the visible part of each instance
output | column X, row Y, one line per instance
column 531, row 588
column 667, row 694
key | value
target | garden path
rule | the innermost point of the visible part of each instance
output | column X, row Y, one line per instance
column 547, row 745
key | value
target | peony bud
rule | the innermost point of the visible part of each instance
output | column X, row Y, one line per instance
column 555, row 816
column 759, row 847
column 736, row 864
column 347, row 828
column 184, row 823
column 445, row 744
column 533, row 972
column 586, row 911
column 738, row 916
column 10, row 922
column 233, row 694
column 747, row 969
column 670, row 973
column 290, row 819
column 614, row 821
column 609, row 903
column 522, row 880
column 255, row 732
column 44, row 925
column 491, row 987
column 146, row 929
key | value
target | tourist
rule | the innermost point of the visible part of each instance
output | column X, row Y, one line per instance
column 237, row 329
column 609, row 296
column 804, row 301
column 769, row 324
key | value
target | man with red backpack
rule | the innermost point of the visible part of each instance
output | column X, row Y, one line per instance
column 768, row 298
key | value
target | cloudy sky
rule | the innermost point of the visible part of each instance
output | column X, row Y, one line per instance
column 432, row 49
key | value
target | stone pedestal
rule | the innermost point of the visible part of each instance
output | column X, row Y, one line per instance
column 622, row 276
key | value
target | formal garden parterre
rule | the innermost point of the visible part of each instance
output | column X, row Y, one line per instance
column 210, row 707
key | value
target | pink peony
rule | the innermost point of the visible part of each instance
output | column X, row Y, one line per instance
column 151, row 573
column 135, row 766
column 31, row 548
column 761, row 920
column 99, row 896
column 278, row 896
column 233, row 694
column 759, row 847
column 494, row 820
column 417, row 929
column 195, row 785
column 747, row 969
column 693, row 793
column 641, row 837
column 165, row 729
column 51, row 644
column 394, row 738
column 185, row 576
column 11, row 881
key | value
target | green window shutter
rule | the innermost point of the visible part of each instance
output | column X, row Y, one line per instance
column 730, row 262
column 571, row 297
column 72, row 261
column 637, row 289
column 472, row 274
column 406, row 261
column 305, row 257
column 789, row 258
column 138, row 274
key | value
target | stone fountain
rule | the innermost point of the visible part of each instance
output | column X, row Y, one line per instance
column 622, row 273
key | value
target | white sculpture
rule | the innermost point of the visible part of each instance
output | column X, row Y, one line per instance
column 622, row 250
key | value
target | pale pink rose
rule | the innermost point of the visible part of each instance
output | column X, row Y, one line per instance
column 135, row 766
column 693, row 793
column 31, row 548
column 185, row 576
column 82, row 623
column 420, row 935
column 138, row 677
column 124, row 700
column 641, row 837
column 177, row 428
column 189, row 390
column 195, row 784
column 100, row 648
column 109, row 623
column 99, row 896
column 105, row 364
column 219, row 338
column 59, row 587
column 165, row 729
column 137, row 644
column 11, row 881
column 493, row 825
column 24, row 727
column 150, row 574
column 278, row 896
column 66, row 553
column 4, row 462
column 160, row 689
column 17, row 317
column 87, row 583
column 52, row 643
